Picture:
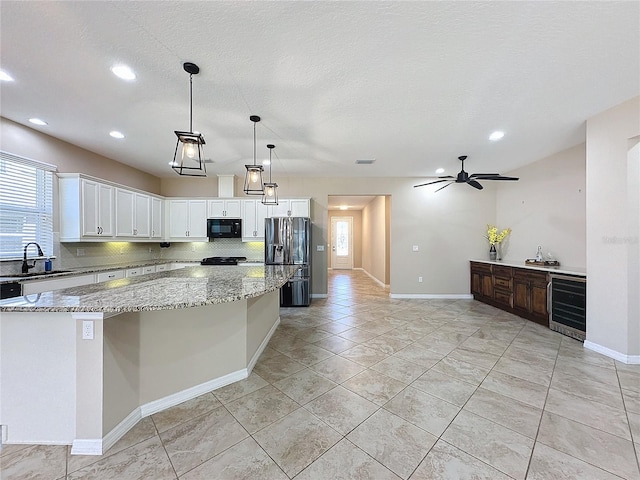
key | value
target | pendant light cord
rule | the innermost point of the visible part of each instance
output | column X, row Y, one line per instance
column 190, row 103
column 254, row 144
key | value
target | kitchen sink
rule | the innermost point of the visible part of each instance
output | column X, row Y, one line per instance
column 35, row 274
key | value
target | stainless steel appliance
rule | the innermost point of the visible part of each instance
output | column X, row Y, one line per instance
column 224, row 228
column 568, row 305
column 287, row 242
column 222, row 260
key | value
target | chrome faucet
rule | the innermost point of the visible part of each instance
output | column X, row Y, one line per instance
column 25, row 265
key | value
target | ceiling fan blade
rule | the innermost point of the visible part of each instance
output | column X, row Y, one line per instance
column 499, row 177
column 445, row 186
column 446, row 179
column 482, row 175
column 474, row 184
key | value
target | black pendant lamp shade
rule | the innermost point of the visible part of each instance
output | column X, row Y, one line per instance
column 253, row 184
column 188, row 158
column 270, row 195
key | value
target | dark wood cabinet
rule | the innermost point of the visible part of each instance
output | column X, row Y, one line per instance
column 520, row 291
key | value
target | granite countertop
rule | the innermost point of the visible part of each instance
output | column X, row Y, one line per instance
column 94, row 269
column 189, row 287
column 561, row 269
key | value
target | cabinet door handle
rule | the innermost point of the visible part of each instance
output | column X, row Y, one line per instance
column 549, row 302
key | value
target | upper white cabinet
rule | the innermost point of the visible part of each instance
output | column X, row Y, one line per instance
column 187, row 220
column 292, row 207
column 95, row 210
column 225, row 208
column 156, row 218
column 253, row 215
column 86, row 209
column 133, row 214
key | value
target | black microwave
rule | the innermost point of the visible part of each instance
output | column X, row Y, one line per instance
column 224, row 228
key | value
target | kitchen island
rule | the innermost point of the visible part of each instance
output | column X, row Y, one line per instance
column 83, row 365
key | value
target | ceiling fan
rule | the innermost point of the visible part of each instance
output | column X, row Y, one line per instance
column 464, row 177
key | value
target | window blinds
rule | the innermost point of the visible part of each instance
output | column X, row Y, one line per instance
column 26, row 205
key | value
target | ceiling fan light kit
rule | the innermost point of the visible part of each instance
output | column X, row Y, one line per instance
column 464, row 177
column 253, row 184
column 190, row 161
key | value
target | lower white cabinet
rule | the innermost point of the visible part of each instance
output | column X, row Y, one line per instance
column 38, row 286
column 110, row 275
column 163, row 268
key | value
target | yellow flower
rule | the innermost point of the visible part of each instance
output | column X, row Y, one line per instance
column 494, row 237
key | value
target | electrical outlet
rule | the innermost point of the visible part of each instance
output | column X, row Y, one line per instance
column 150, row 250
column 415, row 248
column 193, row 248
column 79, row 252
column 121, row 250
column 419, row 279
column 87, row 329
column 3, row 433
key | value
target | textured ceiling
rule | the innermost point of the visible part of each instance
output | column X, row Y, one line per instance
column 409, row 84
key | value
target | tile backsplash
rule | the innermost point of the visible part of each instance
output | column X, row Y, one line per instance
column 89, row 254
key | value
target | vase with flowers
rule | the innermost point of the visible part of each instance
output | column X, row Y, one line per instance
column 495, row 238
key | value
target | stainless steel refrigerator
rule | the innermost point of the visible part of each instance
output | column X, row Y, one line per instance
column 287, row 242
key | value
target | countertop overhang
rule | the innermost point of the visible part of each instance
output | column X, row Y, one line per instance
column 184, row 288
column 582, row 272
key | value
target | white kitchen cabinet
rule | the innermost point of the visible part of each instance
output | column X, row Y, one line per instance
column 163, row 268
column 224, row 208
column 133, row 214
column 156, row 218
column 187, row 220
column 38, row 286
column 86, row 209
column 290, row 207
column 133, row 272
column 109, row 275
column 148, row 269
column 253, row 215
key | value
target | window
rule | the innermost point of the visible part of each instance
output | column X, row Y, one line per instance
column 26, row 205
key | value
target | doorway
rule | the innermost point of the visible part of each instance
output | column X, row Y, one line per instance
column 342, row 243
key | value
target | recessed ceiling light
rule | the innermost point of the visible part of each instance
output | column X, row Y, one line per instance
column 365, row 161
column 123, row 72
column 440, row 170
column 497, row 135
column 5, row 77
column 116, row 134
column 37, row 121
column 344, row 207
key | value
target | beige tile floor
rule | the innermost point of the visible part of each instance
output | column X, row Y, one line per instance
column 361, row 386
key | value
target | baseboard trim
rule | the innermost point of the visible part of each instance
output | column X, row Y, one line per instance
column 263, row 345
column 91, row 446
column 193, row 392
column 119, row 430
column 319, row 295
column 434, row 296
column 621, row 357
column 373, row 278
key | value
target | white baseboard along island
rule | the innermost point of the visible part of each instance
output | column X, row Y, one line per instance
column 81, row 366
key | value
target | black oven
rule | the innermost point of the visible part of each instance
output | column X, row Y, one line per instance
column 224, row 228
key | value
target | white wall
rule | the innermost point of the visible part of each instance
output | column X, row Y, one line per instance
column 547, row 207
column 374, row 247
column 612, row 230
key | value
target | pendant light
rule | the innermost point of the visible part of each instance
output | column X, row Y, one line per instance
column 253, row 184
column 188, row 158
column 270, row 195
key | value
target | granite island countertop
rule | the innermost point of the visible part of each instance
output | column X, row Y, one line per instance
column 191, row 287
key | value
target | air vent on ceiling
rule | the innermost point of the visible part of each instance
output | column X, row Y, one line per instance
column 364, row 162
